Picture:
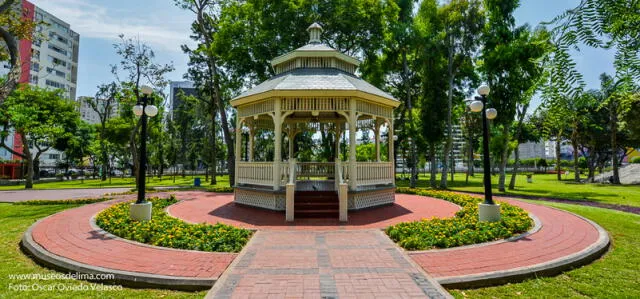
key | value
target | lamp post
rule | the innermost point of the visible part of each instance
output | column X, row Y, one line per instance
column 141, row 209
column 488, row 210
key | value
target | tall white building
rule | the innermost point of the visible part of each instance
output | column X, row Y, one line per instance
column 91, row 116
column 49, row 60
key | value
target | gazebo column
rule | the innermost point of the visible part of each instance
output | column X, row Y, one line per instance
column 238, row 147
column 391, row 135
column 353, row 119
column 252, row 134
column 376, row 131
column 338, row 131
column 277, row 157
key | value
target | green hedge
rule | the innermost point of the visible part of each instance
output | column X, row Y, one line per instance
column 635, row 160
column 463, row 229
column 166, row 231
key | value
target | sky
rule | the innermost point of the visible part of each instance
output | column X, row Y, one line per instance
column 165, row 28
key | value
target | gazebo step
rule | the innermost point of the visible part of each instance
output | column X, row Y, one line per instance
column 324, row 213
column 303, row 205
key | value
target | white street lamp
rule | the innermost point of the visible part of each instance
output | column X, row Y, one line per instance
column 492, row 113
column 476, row 106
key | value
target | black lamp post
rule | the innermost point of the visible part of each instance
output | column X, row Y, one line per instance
column 141, row 210
column 488, row 211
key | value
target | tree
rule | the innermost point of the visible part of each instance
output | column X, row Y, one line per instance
column 137, row 62
column 511, row 62
column 14, row 27
column 463, row 22
column 433, row 92
column 104, row 104
column 41, row 118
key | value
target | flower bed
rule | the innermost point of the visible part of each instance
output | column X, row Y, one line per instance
column 166, row 231
column 463, row 229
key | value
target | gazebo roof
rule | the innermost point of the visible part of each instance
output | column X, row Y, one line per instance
column 315, row 70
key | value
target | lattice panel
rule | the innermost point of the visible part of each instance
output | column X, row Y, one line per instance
column 374, row 109
column 256, row 108
column 315, row 104
column 266, row 200
column 370, row 199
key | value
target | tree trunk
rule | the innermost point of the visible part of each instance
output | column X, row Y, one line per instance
column 614, row 143
column 433, row 168
column 29, row 157
column 449, row 143
column 214, row 151
column 558, row 143
column 412, row 150
column 576, row 167
column 12, row 78
column 521, row 114
column 504, row 159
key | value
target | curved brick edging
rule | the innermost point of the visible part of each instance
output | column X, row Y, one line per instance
column 67, row 241
column 550, row 251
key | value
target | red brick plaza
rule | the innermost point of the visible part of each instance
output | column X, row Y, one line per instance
column 316, row 258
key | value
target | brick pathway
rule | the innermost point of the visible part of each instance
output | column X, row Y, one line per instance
column 324, row 264
column 199, row 207
column 24, row 195
column 561, row 234
column 69, row 234
column 316, row 259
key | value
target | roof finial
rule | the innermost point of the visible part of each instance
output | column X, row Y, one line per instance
column 315, row 30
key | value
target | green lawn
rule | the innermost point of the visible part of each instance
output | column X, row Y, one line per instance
column 121, row 182
column 14, row 221
column 616, row 275
column 546, row 185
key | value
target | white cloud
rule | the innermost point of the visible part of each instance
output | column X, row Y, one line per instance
column 92, row 20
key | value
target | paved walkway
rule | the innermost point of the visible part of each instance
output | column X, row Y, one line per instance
column 329, row 264
column 199, row 207
column 561, row 235
column 58, row 194
column 69, row 234
column 317, row 259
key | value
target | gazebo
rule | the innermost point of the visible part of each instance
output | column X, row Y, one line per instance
column 315, row 89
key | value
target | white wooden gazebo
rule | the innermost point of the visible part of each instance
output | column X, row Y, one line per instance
column 315, row 88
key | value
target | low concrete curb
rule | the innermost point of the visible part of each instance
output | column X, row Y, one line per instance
column 550, row 268
column 126, row 278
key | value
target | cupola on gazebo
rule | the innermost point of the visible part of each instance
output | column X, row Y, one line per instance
column 315, row 89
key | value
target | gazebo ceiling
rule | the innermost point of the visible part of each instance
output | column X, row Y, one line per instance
column 315, row 70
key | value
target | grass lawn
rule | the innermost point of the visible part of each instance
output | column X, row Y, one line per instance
column 616, row 275
column 14, row 221
column 121, row 182
column 545, row 185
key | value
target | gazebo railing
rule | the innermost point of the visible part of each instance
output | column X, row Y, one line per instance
column 255, row 173
column 374, row 173
column 367, row 173
column 315, row 169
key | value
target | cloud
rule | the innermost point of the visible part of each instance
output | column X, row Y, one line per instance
column 92, row 20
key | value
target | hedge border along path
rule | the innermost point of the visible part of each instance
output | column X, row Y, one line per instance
column 463, row 229
column 166, row 231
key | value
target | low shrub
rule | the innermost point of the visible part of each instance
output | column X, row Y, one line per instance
column 219, row 189
column 79, row 201
column 166, row 231
column 635, row 160
column 463, row 229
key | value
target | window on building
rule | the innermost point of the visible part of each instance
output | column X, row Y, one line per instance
column 57, row 61
column 37, row 42
column 55, row 84
column 35, row 67
column 57, row 49
column 33, row 79
column 57, row 72
column 35, row 54
column 54, row 156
